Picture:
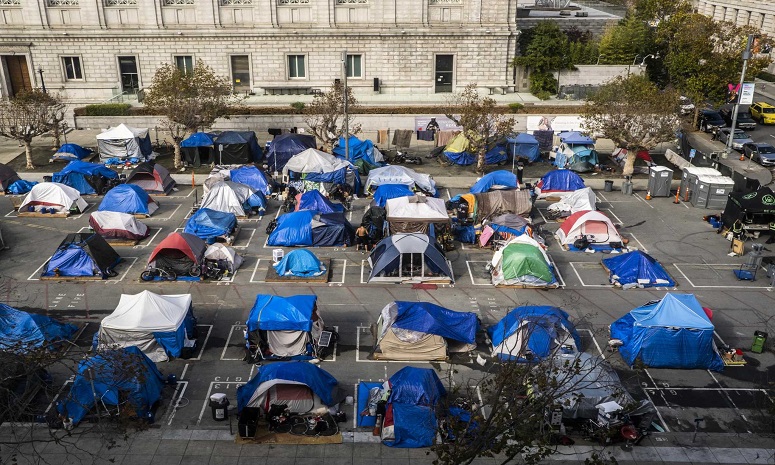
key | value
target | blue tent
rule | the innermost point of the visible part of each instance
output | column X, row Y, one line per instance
column 21, row 187
column 108, row 375
column 21, row 332
column 239, row 147
column 546, row 329
column 386, row 192
column 307, row 227
column 127, row 198
column 275, row 313
column 497, row 154
column 500, row 178
column 253, row 177
column 672, row 333
column 583, row 154
column 199, row 139
column 425, row 317
column 359, row 150
column 523, row 145
column 208, row 224
column 87, row 178
column 199, row 148
column 637, row 268
column 317, row 379
column 82, row 255
column 300, row 262
column 71, row 152
column 576, row 138
column 560, row 181
column 415, row 393
column 314, row 200
column 284, row 146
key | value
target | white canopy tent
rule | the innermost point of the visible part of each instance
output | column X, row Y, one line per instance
column 394, row 174
column 415, row 213
column 314, row 161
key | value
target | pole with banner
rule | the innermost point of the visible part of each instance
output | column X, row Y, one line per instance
column 746, row 57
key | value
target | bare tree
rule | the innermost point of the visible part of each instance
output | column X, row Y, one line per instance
column 58, row 125
column 189, row 100
column 27, row 115
column 325, row 116
column 482, row 124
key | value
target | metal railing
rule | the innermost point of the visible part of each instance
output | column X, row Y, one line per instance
column 126, row 96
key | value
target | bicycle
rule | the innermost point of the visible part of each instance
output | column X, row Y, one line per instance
column 164, row 274
column 312, row 425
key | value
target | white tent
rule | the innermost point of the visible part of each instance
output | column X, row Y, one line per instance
column 227, row 196
column 124, row 141
column 394, row 174
column 314, row 161
column 219, row 251
column 415, row 213
column 593, row 225
column 572, row 202
column 53, row 195
column 139, row 319
column 116, row 225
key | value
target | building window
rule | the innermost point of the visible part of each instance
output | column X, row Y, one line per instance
column 354, row 66
column 446, row 2
column 185, row 63
column 177, row 2
column 10, row 2
column 62, row 2
column 352, row 2
column 73, row 70
column 293, row 2
column 296, row 67
column 120, row 2
column 236, row 2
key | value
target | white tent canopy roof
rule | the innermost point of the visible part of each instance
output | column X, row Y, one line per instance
column 122, row 131
column 393, row 174
column 147, row 311
column 417, row 208
column 314, row 161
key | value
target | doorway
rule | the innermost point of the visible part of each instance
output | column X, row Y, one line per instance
column 445, row 66
column 130, row 79
column 240, row 73
column 18, row 73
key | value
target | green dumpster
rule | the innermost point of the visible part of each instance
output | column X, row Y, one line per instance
column 759, row 339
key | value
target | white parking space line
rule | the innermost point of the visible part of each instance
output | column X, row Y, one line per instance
column 344, row 269
column 730, row 267
column 559, row 277
column 449, row 197
column 250, row 238
column 88, row 205
column 662, row 394
column 177, row 396
column 228, row 341
column 124, row 275
column 204, row 344
column 578, row 275
column 611, row 212
column 643, row 200
column 170, row 215
column 253, row 276
column 210, row 390
column 36, row 272
column 363, row 266
column 642, row 247
column 358, row 351
column 11, row 214
column 471, row 273
column 149, row 239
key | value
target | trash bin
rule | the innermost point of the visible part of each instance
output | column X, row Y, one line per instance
column 219, row 405
column 609, row 186
column 759, row 339
column 248, row 419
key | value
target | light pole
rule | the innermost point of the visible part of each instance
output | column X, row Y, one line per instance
column 642, row 62
column 598, row 58
column 746, row 57
column 346, row 122
column 42, row 82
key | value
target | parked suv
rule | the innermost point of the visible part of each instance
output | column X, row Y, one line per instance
column 763, row 112
column 744, row 119
column 708, row 120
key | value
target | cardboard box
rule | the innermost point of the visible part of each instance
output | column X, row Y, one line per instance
column 738, row 247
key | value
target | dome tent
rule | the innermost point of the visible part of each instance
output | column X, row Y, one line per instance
column 225, row 257
column 408, row 257
column 522, row 261
column 410, row 417
column 86, row 178
column 82, row 255
column 500, row 178
column 22, row 332
column 593, row 225
column 637, row 269
column 300, row 262
column 252, row 177
column 457, row 152
column 128, row 198
column 314, row 166
column 70, row 152
column 180, row 252
column 532, row 333
column 54, row 196
column 280, row 327
column 315, row 201
column 118, row 226
column 232, row 197
column 152, row 178
column 309, row 228
column 210, row 225
column 558, row 181
column 285, row 146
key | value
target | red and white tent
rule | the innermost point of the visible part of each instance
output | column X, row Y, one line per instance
column 597, row 228
column 115, row 225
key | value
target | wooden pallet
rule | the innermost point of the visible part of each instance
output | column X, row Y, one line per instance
column 37, row 214
column 122, row 242
column 528, row 286
column 71, row 278
column 273, row 277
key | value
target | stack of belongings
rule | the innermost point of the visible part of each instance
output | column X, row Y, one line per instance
column 572, row 202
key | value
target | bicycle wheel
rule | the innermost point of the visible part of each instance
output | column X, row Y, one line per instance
column 170, row 275
column 147, row 275
column 283, row 428
column 298, row 425
column 196, row 270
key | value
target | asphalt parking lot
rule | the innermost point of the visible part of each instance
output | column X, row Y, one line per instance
column 734, row 401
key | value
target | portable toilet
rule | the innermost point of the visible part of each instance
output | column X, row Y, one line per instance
column 689, row 179
column 659, row 181
column 712, row 192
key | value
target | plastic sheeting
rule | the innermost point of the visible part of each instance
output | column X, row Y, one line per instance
column 199, row 139
column 22, row 332
column 386, row 192
column 359, row 150
column 253, row 177
column 128, row 198
column 672, row 333
column 637, row 269
column 523, row 145
column 293, row 229
column 538, row 330
column 493, row 203
column 559, row 181
column 576, row 138
column 428, row 318
column 394, row 174
column 285, row 146
column 115, row 225
column 317, row 379
column 457, row 151
column 83, row 255
column 233, row 197
column 208, row 224
column 239, row 147
column 300, row 262
column 314, row 161
column 275, row 313
column 314, row 200
column 87, row 178
column 415, row 393
column 496, row 178
column 71, row 152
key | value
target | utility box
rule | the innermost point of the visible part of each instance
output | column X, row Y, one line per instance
column 759, row 339
column 712, row 192
column 689, row 179
column 659, row 181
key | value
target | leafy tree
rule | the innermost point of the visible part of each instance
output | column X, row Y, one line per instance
column 481, row 124
column 27, row 115
column 544, row 49
column 325, row 115
column 656, row 11
column 634, row 113
column 189, row 100
column 621, row 43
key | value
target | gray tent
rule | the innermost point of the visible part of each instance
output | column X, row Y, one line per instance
column 408, row 257
column 498, row 202
column 123, row 142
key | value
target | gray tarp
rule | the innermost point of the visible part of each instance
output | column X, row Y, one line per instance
column 493, row 203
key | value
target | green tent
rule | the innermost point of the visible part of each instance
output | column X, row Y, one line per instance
column 522, row 261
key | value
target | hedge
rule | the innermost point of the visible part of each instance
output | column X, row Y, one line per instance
column 107, row 109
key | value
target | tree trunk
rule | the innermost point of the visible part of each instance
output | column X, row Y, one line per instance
column 178, row 159
column 696, row 117
column 629, row 163
column 480, row 160
column 328, row 146
column 28, row 154
column 57, row 135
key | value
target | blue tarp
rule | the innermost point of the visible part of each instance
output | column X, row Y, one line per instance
column 415, row 392
column 253, row 177
column 523, row 145
column 21, row 332
column 561, row 181
column 544, row 324
column 126, row 198
column 275, row 313
column 672, row 333
column 293, row 229
column 576, row 138
column 500, row 177
column 460, row 158
column 285, row 146
column 300, row 262
column 315, row 201
column 208, row 224
column 76, row 172
column 637, row 268
column 72, row 260
column 359, row 150
column 498, row 154
column 125, row 370
column 316, row 378
column 71, row 152
column 21, row 187
column 199, row 139
column 386, row 192
column 425, row 317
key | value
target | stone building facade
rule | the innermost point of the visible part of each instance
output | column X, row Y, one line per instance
column 91, row 50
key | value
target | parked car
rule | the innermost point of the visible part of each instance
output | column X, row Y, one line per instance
column 760, row 152
column 708, row 120
column 739, row 138
column 744, row 119
column 763, row 112
column 685, row 105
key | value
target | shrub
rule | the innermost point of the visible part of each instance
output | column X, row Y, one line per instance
column 765, row 76
column 543, row 95
column 298, row 106
column 516, row 107
column 107, row 109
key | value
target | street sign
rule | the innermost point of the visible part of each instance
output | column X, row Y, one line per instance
column 746, row 94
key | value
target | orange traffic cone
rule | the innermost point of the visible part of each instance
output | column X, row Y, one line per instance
column 742, row 157
column 677, row 196
column 648, row 195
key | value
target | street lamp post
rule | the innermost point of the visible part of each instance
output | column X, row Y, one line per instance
column 642, row 62
column 346, row 122
column 42, row 82
column 746, row 57
column 598, row 58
